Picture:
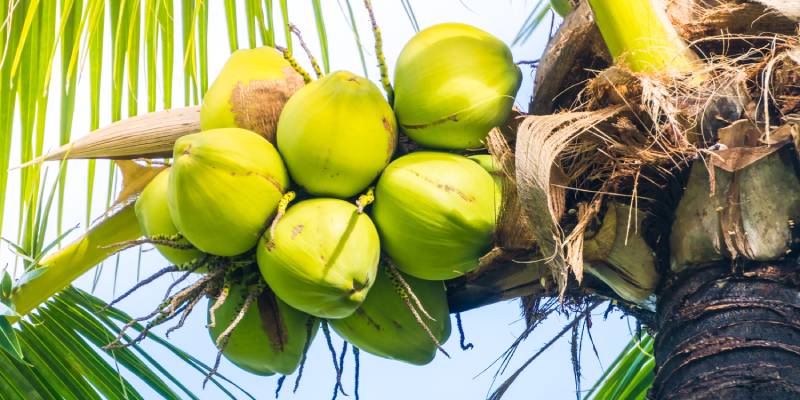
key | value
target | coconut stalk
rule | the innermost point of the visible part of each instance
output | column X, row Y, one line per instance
column 66, row 265
column 640, row 37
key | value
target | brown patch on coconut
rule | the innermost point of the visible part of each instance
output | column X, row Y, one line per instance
column 258, row 104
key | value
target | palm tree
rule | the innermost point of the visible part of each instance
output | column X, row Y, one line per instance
column 646, row 183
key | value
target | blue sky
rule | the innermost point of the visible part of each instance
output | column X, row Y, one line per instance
column 491, row 328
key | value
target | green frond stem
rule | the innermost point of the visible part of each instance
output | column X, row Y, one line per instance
column 311, row 58
column 376, row 31
column 67, row 264
column 640, row 37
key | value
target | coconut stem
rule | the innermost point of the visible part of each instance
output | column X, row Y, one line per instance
column 279, row 386
column 223, row 295
column 424, row 325
column 357, row 361
column 402, row 285
column 169, row 308
column 327, row 332
column 222, row 339
column 187, row 310
column 171, row 241
column 314, row 64
column 287, row 55
column 282, row 205
column 339, row 388
column 406, row 294
column 365, row 199
column 151, row 278
column 461, row 336
column 376, row 31
column 309, row 331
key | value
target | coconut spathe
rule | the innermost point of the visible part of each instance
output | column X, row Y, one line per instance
column 323, row 257
column 336, row 135
column 152, row 211
column 271, row 336
column 453, row 84
column 435, row 213
column 250, row 92
column 224, row 186
column 386, row 327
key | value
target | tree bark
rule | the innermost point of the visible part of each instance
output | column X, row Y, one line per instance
column 730, row 331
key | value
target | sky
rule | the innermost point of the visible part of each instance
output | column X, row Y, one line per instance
column 491, row 329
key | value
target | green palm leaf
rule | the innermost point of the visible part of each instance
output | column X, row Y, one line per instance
column 62, row 347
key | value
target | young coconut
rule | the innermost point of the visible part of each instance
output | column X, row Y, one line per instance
column 488, row 163
column 321, row 257
column 250, row 92
column 224, row 186
column 436, row 214
column 453, row 84
column 336, row 135
column 152, row 211
column 386, row 326
column 270, row 338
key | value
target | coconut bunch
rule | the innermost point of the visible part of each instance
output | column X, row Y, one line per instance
column 294, row 205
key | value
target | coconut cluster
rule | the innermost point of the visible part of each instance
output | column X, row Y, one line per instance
column 335, row 224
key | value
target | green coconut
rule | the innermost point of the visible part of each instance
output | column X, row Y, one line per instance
column 490, row 165
column 453, row 84
column 435, row 213
column 323, row 258
column 224, row 186
column 336, row 135
column 152, row 211
column 385, row 327
column 250, row 92
column 271, row 336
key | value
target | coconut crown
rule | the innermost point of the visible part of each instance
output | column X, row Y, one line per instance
column 152, row 212
column 453, row 84
column 384, row 326
column 250, row 92
column 323, row 257
column 271, row 336
column 224, row 186
column 337, row 134
column 436, row 213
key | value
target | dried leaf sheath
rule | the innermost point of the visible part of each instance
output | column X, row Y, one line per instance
column 146, row 136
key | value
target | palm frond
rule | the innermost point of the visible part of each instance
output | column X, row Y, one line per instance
column 630, row 376
column 62, row 345
column 538, row 13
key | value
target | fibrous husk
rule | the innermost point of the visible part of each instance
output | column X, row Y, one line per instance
column 542, row 141
column 699, row 19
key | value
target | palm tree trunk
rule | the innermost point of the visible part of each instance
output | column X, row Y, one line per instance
column 728, row 331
